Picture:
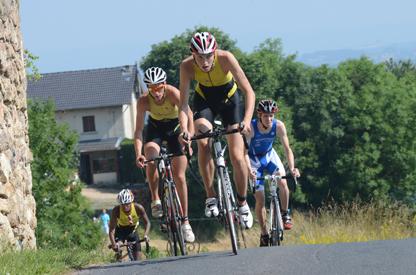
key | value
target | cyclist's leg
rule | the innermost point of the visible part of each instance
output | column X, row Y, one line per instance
column 277, row 165
column 205, row 161
column 151, row 150
column 230, row 112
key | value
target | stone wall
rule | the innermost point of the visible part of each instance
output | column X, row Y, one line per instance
column 17, row 205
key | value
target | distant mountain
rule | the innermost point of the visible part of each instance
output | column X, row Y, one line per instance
column 399, row 51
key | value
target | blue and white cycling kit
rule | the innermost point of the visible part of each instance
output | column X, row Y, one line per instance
column 263, row 157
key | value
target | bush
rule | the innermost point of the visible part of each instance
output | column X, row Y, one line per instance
column 64, row 216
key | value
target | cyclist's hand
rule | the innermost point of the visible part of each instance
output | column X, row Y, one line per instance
column 252, row 175
column 115, row 247
column 146, row 238
column 295, row 172
column 184, row 139
column 140, row 161
column 245, row 127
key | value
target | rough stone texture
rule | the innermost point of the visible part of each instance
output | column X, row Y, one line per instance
column 17, row 205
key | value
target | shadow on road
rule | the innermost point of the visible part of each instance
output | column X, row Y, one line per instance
column 157, row 261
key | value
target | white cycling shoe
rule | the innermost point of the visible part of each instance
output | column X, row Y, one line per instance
column 188, row 235
column 211, row 208
column 245, row 215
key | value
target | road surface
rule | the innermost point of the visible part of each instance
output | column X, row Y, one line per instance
column 376, row 257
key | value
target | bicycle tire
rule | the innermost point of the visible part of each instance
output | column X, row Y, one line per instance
column 130, row 252
column 277, row 223
column 178, row 221
column 229, row 212
column 178, row 240
column 274, row 236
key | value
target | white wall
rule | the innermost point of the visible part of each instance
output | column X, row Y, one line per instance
column 109, row 121
column 110, row 177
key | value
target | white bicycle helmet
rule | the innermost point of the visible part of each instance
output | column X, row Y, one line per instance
column 203, row 43
column 267, row 106
column 125, row 196
column 154, row 75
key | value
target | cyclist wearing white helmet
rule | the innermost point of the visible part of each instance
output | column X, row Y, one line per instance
column 263, row 158
column 124, row 222
column 219, row 77
column 161, row 102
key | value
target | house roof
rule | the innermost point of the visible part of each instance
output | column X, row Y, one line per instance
column 105, row 144
column 86, row 88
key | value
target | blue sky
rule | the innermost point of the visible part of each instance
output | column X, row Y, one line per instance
column 72, row 35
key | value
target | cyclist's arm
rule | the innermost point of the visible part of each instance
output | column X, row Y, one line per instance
column 186, row 72
column 231, row 64
column 138, row 133
column 174, row 96
column 113, row 224
column 281, row 132
column 146, row 221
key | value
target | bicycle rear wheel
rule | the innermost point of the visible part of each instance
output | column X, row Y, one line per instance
column 229, row 210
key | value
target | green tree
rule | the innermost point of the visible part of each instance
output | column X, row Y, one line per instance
column 64, row 216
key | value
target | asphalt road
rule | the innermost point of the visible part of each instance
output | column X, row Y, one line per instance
column 376, row 257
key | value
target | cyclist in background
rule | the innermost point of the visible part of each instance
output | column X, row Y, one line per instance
column 263, row 158
column 217, row 73
column 124, row 222
column 161, row 102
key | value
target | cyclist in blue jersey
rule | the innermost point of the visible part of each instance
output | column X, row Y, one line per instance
column 263, row 158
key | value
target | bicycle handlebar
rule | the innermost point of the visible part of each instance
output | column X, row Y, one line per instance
column 164, row 156
column 215, row 133
column 132, row 243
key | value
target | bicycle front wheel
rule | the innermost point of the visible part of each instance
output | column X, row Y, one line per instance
column 276, row 226
column 178, row 240
column 229, row 210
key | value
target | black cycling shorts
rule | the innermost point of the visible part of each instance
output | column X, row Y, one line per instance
column 127, row 233
column 164, row 130
column 229, row 109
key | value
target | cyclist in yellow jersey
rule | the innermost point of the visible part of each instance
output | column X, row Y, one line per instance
column 161, row 102
column 218, row 77
column 124, row 221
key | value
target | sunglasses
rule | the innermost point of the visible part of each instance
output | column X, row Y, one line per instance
column 156, row 87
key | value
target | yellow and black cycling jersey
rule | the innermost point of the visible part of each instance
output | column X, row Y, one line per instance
column 214, row 83
column 164, row 111
column 128, row 220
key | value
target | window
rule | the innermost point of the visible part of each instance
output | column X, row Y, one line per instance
column 88, row 123
column 104, row 165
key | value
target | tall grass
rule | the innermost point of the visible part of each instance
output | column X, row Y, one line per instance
column 353, row 222
column 50, row 261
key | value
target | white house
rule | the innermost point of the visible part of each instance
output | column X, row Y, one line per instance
column 100, row 105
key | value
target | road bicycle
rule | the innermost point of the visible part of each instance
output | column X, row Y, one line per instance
column 227, row 205
column 275, row 220
column 171, row 204
column 120, row 255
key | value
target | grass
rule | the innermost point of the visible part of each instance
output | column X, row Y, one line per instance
column 50, row 261
column 351, row 222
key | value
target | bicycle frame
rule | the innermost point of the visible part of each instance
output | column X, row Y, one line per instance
column 276, row 229
column 226, row 201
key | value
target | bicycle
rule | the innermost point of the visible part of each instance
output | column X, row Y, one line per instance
column 171, row 205
column 119, row 255
column 227, row 205
column 275, row 221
